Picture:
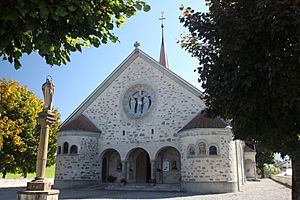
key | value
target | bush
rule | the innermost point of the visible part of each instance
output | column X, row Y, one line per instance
column 271, row 170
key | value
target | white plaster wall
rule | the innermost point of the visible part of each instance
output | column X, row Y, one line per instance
column 250, row 156
column 209, row 168
column 172, row 108
column 250, row 164
column 239, row 163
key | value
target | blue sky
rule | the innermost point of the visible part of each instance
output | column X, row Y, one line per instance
column 76, row 80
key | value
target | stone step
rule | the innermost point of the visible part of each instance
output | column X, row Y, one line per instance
column 140, row 187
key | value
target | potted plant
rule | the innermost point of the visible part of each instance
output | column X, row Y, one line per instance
column 152, row 181
column 111, row 179
column 123, row 181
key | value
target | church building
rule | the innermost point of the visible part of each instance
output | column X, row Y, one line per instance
column 144, row 123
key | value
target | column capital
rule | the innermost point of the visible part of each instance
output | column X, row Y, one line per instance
column 47, row 117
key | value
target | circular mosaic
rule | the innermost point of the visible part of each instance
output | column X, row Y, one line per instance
column 138, row 101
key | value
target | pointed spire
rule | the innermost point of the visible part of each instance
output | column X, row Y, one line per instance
column 163, row 59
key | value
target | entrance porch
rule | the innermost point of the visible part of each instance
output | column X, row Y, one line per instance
column 138, row 167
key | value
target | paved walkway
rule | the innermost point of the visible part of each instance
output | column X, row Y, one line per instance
column 263, row 190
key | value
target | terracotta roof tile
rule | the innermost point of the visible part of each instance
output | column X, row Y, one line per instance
column 248, row 149
column 201, row 121
column 80, row 123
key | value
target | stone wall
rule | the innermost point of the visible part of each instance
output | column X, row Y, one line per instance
column 208, row 168
column 198, row 170
column 173, row 106
column 83, row 166
column 113, row 170
column 171, row 157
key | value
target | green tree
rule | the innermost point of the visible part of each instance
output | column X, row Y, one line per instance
column 263, row 157
column 19, row 109
column 249, row 56
column 55, row 28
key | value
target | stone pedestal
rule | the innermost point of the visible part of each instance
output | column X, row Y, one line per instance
column 38, row 185
column 38, row 189
column 38, row 195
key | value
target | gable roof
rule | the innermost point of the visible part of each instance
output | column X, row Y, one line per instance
column 80, row 123
column 201, row 121
column 134, row 55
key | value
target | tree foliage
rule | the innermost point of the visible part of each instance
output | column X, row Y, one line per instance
column 55, row 28
column 263, row 157
column 271, row 170
column 249, row 56
column 19, row 109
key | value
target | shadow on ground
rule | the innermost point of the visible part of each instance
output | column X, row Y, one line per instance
column 10, row 193
column 86, row 193
column 266, row 189
column 109, row 194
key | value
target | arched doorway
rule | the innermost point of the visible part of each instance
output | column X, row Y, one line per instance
column 111, row 167
column 139, row 170
column 168, row 165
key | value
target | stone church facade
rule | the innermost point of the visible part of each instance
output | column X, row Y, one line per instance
column 145, row 122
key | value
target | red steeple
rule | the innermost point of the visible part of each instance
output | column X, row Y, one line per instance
column 163, row 59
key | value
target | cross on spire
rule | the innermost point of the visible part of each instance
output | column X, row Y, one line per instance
column 163, row 60
column 136, row 44
column 162, row 19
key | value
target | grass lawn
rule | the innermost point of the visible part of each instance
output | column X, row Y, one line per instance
column 50, row 171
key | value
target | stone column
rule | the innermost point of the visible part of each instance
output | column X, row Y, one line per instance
column 40, row 188
column 153, row 169
column 46, row 119
column 124, row 169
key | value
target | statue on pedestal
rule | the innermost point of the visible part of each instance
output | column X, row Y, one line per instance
column 40, row 188
column 48, row 92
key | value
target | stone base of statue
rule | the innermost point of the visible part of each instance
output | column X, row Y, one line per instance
column 38, row 195
column 37, row 184
column 38, row 189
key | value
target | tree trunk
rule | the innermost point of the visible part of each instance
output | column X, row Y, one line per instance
column 262, row 171
column 296, row 176
column 25, row 174
column 4, row 174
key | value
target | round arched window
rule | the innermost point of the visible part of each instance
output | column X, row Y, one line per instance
column 191, row 150
column 66, row 148
column 74, row 149
column 202, row 148
column 213, row 150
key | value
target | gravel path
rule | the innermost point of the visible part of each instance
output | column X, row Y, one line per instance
column 266, row 189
